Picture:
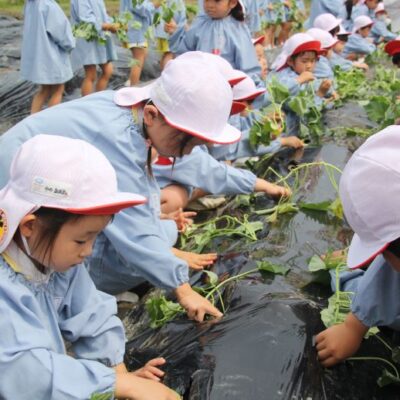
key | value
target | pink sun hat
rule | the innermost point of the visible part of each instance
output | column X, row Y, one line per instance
column 62, row 173
column 370, row 193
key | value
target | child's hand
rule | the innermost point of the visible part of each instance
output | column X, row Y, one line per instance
column 305, row 77
column 150, row 370
column 361, row 65
column 110, row 27
column 292, row 141
column 194, row 260
column 183, row 219
column 170, row 27
column 270, row 7
column 156, row 3
column 271, row 189
column 326, row 84
column 340, row 341
column 129, row 386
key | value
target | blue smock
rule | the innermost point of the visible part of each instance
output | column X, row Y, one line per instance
column 142, row 14
column 180, row 19
column 319, row 7
column 323, row 69
column 134, row 247
column 242, row 148
column 358, row 10
column 359, row 45
column 337, row 60
column 200, row 170
column 226, row 37
column 347, row 21
column 253, row 18
column 39, row 311
column 380, row 30
column 91, row 53
column 46, row 43
column 376, row 301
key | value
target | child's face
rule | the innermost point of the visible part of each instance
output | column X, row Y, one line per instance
column 218, row 9
column 371, row 4
column 328, row 53
column 338, row 47
column 72, row 245
column 303, row 62
column 262, row 60
column 364, row 32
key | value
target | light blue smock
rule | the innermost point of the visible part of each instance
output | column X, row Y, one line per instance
column 133, row 247
column 319, row 7
column 226, row 37
column 46, row 43
column 323, row 69
column 347, row 21
column 358, row 10
column 253, row 18
column 377, row 294
column 200, row 170
column 38, row 312
column 380, row 30
column 243, row 148
column 180, row 19
column 337, row 60
column 91, row 53
column 359, row 45
column 143, row 14
column 275, row 16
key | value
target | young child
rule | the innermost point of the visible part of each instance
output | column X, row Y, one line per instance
column 221, row 30
column 393, row 49
column 91, row 53
column 319, row 7
column 295, row 67
column 370, row 205
column 337, row 60
column 359, row 44
column 272, row 12
column 380, row 31
column 45, row 53
column 328, row 22
column 169, row 34
column 252, row 16
column 125, row 125
column 61, row 194
column 142, row 12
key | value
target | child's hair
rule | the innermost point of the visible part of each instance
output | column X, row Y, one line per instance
column 394, row 247
column 237, row 12
column 343, row 38
column 349, row 8
column 335, row 31
column 294, row 56
column 396, row 59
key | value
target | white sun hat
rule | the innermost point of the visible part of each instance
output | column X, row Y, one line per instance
column 193, row 97
column 370, row 194
column 380, row 8
column 343, row 31
column 327, row 22
column 362, row 22
column 326, row 39
column 62, row 173
column 247, row 90
column 298, row 43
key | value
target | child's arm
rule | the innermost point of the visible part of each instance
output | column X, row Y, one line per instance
column 340, row 341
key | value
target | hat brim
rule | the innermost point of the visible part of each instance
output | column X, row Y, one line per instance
column 362, row 27
column 229, row 133
column 393, row 47
column 258, row 40
column 236, row 77
column 360, row 254
column 312, row 45
column 237, row 107
column 252, row 96
column 131, row 96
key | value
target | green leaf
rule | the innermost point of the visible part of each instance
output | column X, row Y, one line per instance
column 322, row 206
column 212, row 276
column 388, row 378
column 267, row 266
column 316, row 264
column 396, row 354
column 102, row 396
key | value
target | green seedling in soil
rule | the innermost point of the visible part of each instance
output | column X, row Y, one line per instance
column 161, row 310
column 198, row 236
column 102, row 396
column 333, row 208
column 280, row 209
column 351, row 85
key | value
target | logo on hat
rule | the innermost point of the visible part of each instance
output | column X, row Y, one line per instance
column 3, row 225
column 51, row 188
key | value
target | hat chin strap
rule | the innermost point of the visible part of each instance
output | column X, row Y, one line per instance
column 25, row 244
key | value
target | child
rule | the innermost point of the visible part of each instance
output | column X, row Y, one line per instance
column 337, row 60
column 252, row 16
column 125, row 125
column 328, row 23
column 61, row 194
column 380, row 31
column 142, row 12
column 359, row 44
column 393, row 49
column 90, row 54
column 169, row 34
column 295, row 67
column 45, row 54
column 345, row 14
column 221, row 30
column 370, row 205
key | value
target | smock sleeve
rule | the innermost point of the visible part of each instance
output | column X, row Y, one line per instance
column 377, row 300
column 85, row 13
column 26, row 355
column 89, row 321
column 379, row 29
column 58, row 27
